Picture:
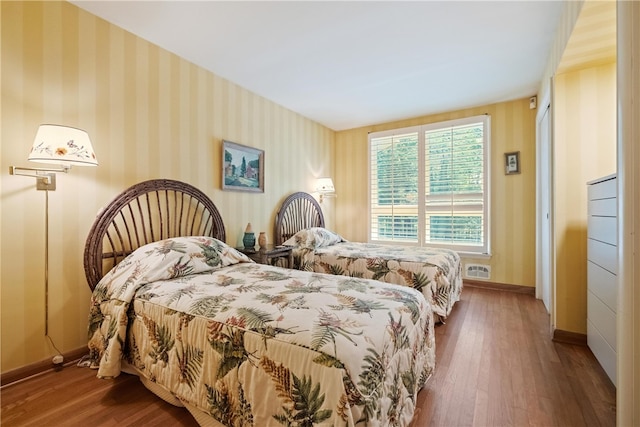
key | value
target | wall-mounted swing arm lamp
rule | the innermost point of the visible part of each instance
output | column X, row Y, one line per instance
column 63, row 146
column 325, row 187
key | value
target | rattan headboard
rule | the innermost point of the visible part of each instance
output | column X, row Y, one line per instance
column 298, row 211
column 147, row 212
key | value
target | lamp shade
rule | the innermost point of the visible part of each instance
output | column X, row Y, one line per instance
column 325, row 185
column 63, row 145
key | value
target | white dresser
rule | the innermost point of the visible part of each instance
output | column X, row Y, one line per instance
column 602, row 271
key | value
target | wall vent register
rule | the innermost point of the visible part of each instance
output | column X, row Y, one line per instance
column 477, row 271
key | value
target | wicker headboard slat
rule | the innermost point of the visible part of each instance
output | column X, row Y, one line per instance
column 144, row 213
column 118, row 236
column 298, row 211
column 160, row 231
column 135, row 225
column 179, row 222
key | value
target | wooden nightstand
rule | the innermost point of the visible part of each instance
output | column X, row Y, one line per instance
column 270, row 254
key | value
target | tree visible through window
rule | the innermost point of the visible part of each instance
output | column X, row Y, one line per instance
column 429, row 185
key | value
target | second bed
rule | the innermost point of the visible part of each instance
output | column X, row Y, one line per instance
column 436, row 272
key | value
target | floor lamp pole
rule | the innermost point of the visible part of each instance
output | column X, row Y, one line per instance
column 46, row 263
column 47, row 185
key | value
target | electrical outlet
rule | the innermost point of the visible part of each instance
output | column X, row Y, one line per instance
column 58, row 359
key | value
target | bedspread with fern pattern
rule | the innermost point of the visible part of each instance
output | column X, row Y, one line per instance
column 257, row 345
column 437, row 273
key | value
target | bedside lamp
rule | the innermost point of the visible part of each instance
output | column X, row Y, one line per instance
column 325, row 187
column 64, row 146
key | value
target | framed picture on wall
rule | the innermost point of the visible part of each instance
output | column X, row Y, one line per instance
column 242, row 168
column 512, row 163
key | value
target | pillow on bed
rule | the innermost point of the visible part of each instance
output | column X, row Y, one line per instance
column 313, row 238
column 174, row 257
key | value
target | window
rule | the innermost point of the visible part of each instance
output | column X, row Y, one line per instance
column 429, row 185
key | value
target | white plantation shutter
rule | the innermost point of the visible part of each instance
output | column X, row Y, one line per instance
column 429, row 185
column 394, row 190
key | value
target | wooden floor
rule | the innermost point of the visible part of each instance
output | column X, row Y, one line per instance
column 496, row 366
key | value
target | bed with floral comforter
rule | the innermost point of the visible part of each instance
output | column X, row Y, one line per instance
column 437, row 273
column 250, row 344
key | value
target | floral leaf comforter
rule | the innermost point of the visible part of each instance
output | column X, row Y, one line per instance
column 437, row 273
column 252, row 344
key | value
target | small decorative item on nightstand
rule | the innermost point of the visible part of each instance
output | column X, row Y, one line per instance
column 249, row 239
column 262, row 240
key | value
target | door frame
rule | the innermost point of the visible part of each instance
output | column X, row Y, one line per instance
column 545, row 100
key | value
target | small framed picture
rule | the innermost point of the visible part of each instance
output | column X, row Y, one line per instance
column 242, row 168
column 512, row 163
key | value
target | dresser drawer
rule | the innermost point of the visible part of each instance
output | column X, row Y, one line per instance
column 603, row 190
column 602, row 351
column 603, row 228
column 603, row 207
column 603, row 284
column 603, row 318
column 603, row 254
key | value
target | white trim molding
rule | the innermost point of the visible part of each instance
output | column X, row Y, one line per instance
column 628, row 322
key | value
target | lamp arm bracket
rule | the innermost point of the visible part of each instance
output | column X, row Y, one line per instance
column 324, row 195
column 45, row 177
column 36, row 172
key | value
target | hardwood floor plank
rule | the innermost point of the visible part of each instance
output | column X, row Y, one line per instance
column 480, row 408
column 496, row 365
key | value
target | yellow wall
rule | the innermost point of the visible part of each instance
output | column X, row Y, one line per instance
column 584, row 149
column 150, row 115
column 570, row 13
column 513, row 197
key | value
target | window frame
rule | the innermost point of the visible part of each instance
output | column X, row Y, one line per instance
column 477, row 250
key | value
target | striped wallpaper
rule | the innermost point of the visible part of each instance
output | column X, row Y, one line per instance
column 150, row 114
column 584, row 149
column 571, row 11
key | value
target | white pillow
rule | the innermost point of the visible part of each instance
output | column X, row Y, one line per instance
column 313, row 238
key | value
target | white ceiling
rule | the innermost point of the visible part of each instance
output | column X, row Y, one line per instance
column 350, row 64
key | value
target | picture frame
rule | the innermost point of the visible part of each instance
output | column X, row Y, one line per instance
column 242, row 168
column 512, row 163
